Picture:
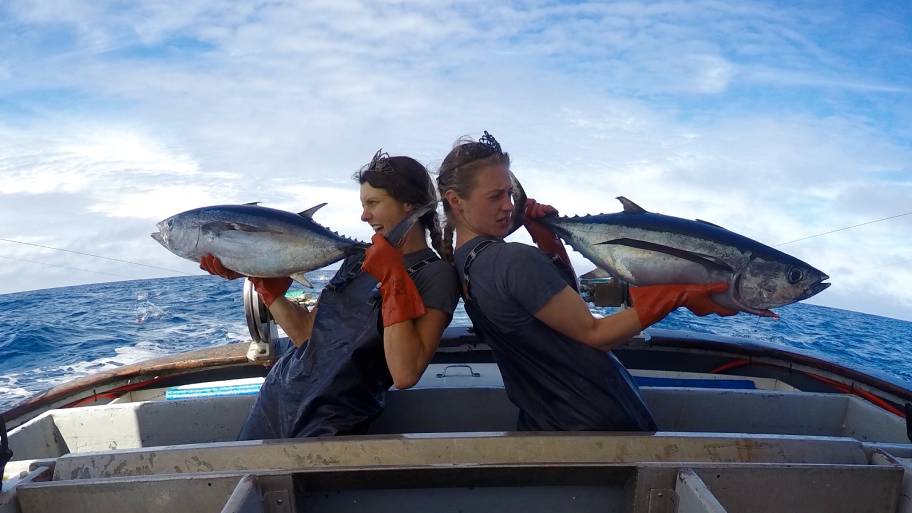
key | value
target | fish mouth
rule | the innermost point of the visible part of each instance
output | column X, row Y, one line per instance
column 158, row 236
column 815, row 289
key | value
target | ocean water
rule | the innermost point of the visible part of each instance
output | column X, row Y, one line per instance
column 50, row 336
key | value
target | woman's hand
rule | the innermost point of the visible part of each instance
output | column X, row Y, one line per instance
column 212, row 265
column 269, row 289
column 652, row 303
column 546, row 239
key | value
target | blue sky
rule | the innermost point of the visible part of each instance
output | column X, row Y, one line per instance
column 775, row 120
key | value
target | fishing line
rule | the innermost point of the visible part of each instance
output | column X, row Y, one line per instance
column 67, row 267
column 91, row 255
column 845, row 228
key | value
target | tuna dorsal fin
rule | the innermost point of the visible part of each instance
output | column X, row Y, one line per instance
column 252, row 203
column 311, row 211
column 711, row 224
column 631, row 207
column 708, row 261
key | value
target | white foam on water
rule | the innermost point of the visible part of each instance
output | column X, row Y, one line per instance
column 148, row 311
column 43, row 378
column 12, row 392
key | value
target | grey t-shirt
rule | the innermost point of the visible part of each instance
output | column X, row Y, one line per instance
column 557, row 383
column 436, row 282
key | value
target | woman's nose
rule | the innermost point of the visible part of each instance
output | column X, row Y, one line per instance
column 365, row 215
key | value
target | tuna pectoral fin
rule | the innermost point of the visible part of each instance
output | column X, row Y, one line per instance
column 709, row 262
column 302, row 279
column 218, row 227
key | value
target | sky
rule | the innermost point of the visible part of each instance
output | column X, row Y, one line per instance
column 777, row 120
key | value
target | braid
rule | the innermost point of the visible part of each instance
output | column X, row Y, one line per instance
column 446, row 248
column 432, row 224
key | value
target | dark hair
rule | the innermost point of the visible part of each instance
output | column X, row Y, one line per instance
column 406, row 180
column 458, row 172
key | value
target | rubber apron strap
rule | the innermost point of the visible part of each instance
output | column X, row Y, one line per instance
column 467, row 286
column 411, row 270
column 343, row 279
column 417, row 266
column 486, row 327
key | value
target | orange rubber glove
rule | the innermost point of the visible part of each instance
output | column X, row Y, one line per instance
column 654, row 302
column 546, row 240
column 212, row 265
column 401, row 299
column 270, row 289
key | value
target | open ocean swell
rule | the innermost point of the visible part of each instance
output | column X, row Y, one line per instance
column 50, row 336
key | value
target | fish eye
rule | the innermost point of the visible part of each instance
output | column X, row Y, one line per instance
column 794, row 275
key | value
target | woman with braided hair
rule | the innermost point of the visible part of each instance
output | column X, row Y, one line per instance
column 554, row 355
column 359, row 340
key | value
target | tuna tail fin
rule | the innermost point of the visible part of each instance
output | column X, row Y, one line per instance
column 519, row 203
column 302, row 279
column 396, row 236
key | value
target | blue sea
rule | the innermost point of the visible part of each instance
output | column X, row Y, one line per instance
column 50, row 336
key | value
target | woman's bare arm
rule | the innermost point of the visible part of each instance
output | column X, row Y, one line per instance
column 297, row 320
column 410, row 345
column 567, row 313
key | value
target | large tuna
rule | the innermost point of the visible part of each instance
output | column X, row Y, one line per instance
column 255, row 241
column 644, row 248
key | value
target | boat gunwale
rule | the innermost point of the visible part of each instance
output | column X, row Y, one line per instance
column 455, row 337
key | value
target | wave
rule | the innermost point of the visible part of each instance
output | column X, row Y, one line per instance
column 50, row 336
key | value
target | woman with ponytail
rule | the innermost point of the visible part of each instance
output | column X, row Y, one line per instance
column 360, row 340
column 554, row 355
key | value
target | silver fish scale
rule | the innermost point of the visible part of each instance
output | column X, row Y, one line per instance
column 642, row 266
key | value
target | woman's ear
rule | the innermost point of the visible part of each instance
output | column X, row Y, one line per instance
column 453, row 200
column 409, row 207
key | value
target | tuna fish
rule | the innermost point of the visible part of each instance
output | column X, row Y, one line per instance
column 254, row 240
column 645, row 248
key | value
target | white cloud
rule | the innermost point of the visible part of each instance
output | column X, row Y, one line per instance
column 181, row 104
column 157, row 203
